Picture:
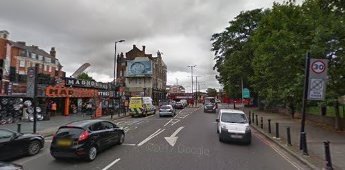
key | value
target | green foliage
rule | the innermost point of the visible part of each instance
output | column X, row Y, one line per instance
column 85, row 76
column 267, row 49
column 211, row 92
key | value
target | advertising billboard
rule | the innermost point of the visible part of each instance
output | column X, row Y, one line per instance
column 139, row 68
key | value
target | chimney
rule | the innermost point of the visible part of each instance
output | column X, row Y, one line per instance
column 144, row 48
column 134, row 46
column 159, row 54
column 4, row 34
column 53, row 52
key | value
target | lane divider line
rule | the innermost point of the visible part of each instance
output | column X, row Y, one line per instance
column 168, row 122
column 151, row 136
column 129, row 144
column 111, row 164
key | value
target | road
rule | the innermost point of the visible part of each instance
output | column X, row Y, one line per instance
column 187, row 141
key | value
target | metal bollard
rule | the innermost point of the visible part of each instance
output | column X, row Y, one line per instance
column 19, row 127
column 256, row 120
column 262, row 123
column 304, row 143
column 269, row 126
column 288, row 136
column 277, row 130
column 328, row 156
column 250, row 121
column 253, row 118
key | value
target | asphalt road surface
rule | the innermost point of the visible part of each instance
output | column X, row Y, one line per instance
column 187, row 141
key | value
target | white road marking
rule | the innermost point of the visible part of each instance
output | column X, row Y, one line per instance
column 111, row 164
column 172, row 139
column 168, row 122
column 129, row 144
column 175, row 121
column 151, row 136
column 279, row 152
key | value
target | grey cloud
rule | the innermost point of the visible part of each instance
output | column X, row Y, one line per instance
column 85, row 31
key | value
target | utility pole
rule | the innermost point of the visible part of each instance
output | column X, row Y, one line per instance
column 191, row 68
column 196, row 88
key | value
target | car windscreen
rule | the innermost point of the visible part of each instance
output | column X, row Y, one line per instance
column 69, row 132
column 233, row 118
column 210, row 100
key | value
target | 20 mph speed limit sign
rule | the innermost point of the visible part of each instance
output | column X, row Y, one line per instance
column 317, row 79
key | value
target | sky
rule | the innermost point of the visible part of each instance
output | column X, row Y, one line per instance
column 85, row 31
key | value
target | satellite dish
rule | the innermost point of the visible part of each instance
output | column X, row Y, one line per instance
column 80, row 70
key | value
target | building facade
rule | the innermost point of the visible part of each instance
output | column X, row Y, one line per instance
column 17, row 57
column 142, row 74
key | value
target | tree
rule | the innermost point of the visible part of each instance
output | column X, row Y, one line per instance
column 233, row 55
column 211, row 92
column 85, row 76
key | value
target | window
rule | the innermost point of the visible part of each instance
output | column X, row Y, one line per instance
column 21, row 72
column 47, row 59
column 5, row 135
column 108, row 125
column 21, row 63
column 40, row 57
column 97, row 126
column 50, row 69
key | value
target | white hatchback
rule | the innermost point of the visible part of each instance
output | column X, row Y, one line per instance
column 233, row 125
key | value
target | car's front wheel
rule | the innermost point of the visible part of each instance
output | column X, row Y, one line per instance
column 92, row 153
column 121, row 139
column 34, row 147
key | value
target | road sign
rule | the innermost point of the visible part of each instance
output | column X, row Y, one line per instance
column 246, row 93
column 317, row 79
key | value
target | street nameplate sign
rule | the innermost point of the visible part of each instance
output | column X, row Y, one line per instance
column 317, row 79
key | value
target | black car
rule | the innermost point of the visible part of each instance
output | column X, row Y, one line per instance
column 84, row 139
column 13, row 144
column 210, row 107
column 10, row 166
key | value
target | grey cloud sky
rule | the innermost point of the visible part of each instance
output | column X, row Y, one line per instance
column 85, row 31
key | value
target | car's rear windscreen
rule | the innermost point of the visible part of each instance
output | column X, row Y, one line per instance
column 69, row 132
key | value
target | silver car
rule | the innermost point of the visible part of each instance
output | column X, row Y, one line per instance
column 167, row 110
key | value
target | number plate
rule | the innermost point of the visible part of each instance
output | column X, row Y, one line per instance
column 236, row 136
column 64, row 142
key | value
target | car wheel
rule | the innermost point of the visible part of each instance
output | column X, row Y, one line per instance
column 34, row 147
column 92, row 153
column 122, row 139
column 221, row 138
column 249, row 142
column 217, row 130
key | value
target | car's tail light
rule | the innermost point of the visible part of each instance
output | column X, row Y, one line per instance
column 83, row 136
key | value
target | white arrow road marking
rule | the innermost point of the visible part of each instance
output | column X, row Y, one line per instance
column 172, row 139
column 111, row 164
column 151, row 136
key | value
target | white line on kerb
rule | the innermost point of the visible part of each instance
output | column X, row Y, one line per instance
column 151, row 136
column 111, row 164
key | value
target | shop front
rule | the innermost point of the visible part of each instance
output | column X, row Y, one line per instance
column 71, row 100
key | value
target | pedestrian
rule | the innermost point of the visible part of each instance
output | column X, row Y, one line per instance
column 53, row 108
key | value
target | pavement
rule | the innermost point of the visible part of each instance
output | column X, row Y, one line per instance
column 317, row 134
column 186, row 141
column 49, row 127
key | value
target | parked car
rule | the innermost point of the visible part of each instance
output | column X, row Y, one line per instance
column 165, row 110
column 13, row 144
column 85, row 139
column 10, row 166
column 233, row 125
column 210, row 105
column 179, row 105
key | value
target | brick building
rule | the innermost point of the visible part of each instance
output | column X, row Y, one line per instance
column 142, row 74
column 17, row 57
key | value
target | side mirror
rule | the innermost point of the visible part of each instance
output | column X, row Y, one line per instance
column 217, row 120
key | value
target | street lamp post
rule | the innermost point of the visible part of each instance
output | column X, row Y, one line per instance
column 191, row 67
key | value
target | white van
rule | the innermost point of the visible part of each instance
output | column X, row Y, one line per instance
column 233, row 125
